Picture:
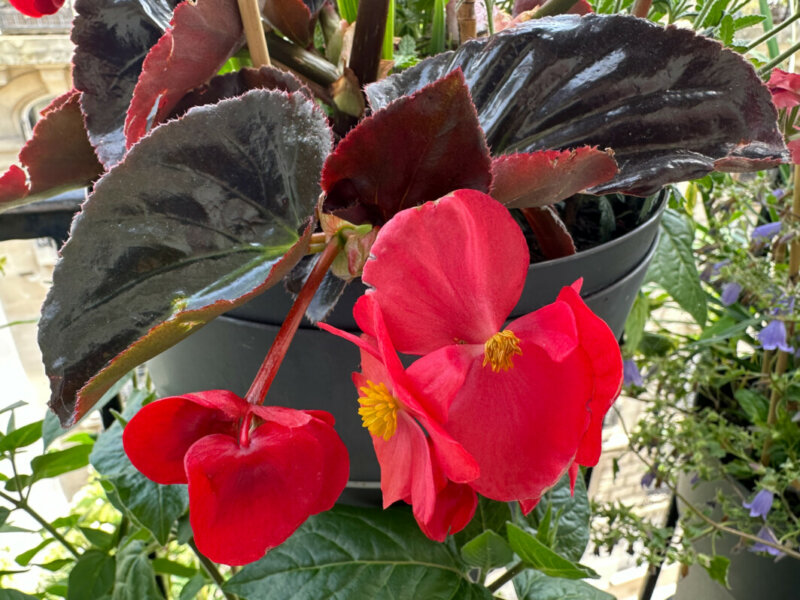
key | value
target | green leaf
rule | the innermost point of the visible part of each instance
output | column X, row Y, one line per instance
column 7, row 594
column 135, row 578
column 634, row 325
column 192, row 588
column 57, row 589
column 68, row 521
column 122, row 294
column 153, row 506
column 25, row 558
column 171, row 567
column 537, row 555
column 755, row 406
column 437, row 27
column 747, row 21
column 726, row 29
column 489, row 515
column 351, row 552
column 532, row 585
column 55, row 565
column 97, row 537
column 19, row 438
column 51, row 428
column 488, row 550
column 4, row 513
column 12, row 406
column 673, row 266
column 92, row 576
column 57, row 463
column 571, row 515
column 717, row 568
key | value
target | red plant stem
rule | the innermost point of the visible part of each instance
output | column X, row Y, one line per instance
column 641, row 8
column 244, row 430
column 269, row 368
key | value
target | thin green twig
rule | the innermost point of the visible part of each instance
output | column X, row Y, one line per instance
column 23, row 505
column 212, row 570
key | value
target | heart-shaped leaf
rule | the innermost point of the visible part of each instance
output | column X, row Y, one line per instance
column 237, row 83
column 537, row 179
column 57, row 157
column 203, row 214
column 112, row 38
column 671, row 109
column 201, row 37
column 294, row 18
column 419, row 148
column 351, row 552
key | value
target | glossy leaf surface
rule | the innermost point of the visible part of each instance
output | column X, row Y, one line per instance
column 57, row 157
column 534, row 553
column 201, row 37
column 671, row 109
column 418, row 149
column 154, row 506
column 351, row 552
column 203, row 214
column 112, row 38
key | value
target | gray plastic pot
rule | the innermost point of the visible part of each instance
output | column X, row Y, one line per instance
column 226, row 353
column 751, row 576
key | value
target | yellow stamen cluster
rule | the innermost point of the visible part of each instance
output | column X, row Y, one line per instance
column 500, row 349
column 378, row 410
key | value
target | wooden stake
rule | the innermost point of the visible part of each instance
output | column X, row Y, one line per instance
column 254, row 33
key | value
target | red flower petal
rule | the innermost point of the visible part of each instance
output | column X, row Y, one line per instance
column 157, row 438
column 454, row 286
column 600, row 346
column 455, row 507
column 523, row 425
column 785, row 88
column 37, row 8
column 244, row 501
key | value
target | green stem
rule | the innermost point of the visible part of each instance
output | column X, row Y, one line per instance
column 269, row 368
column 506, row 577
column 22, row 505
column 310, row 65
column 210, row 568
column 554, row 7
column 772, row 32
column 778, row 60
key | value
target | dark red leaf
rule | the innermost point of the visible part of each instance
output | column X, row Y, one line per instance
column 111, row 38
column 551, row 234
column 294, row 18
column 201, row 37
column 203, row 214
column 415, row 150
column 237, row 83
column 669, row 108
column 37, row 8
column 57, row 157
column 548, row 176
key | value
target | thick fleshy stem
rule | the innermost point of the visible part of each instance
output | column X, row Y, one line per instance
column 269, row 368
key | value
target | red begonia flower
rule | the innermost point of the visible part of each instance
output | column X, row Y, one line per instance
column 785, row 88
column 255, row 473
column 420, row 463
column 446, row 275
column 37, row 8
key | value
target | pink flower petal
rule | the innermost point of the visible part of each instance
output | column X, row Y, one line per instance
column 244, row 501
column 438, row 276
column 157, row 438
